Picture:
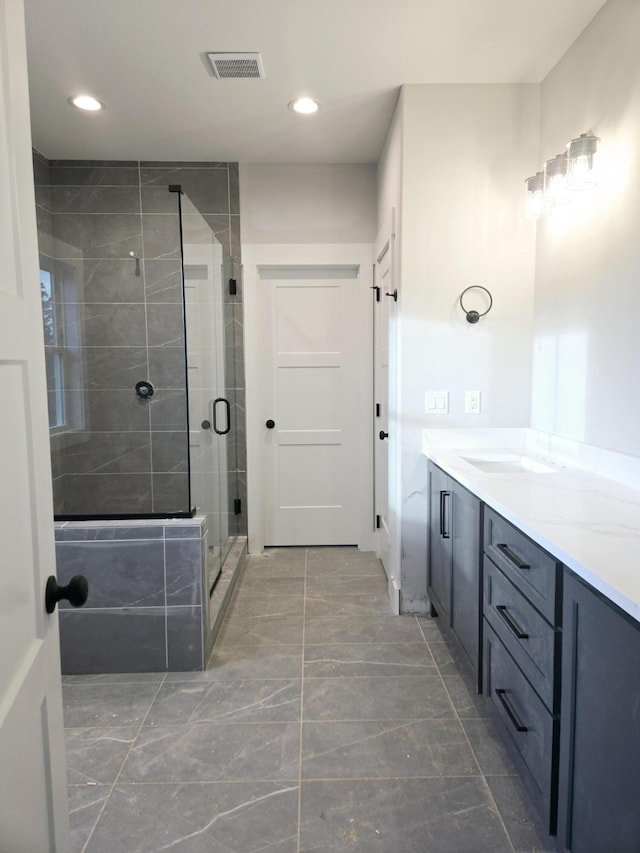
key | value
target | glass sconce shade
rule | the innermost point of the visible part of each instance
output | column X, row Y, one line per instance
column 555, row 181
column 535, row 196
column 580, row 162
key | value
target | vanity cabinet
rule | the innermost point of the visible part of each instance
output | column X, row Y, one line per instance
column 522, row 647
column 454, row 569
column 599, row 792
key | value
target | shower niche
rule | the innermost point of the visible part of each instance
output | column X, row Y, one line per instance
column 143, row 343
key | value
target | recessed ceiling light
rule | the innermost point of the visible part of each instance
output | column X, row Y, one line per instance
column 305, row 106
column 86, row 102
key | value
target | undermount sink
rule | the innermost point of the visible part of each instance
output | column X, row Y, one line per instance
column 508, row 463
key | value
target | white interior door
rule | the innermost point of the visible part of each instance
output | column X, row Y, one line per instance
column 381, row 309
column 33, row 796
column 385, row 460
column 310, row 405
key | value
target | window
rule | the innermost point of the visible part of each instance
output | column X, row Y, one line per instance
column 64, row 370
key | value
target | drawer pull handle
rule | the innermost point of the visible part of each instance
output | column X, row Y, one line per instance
column 511, row 622
column 443, row 515
column 502, row 696
column 513, row 558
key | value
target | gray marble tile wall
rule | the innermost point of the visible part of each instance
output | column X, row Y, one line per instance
column 122, row 455
column 148, row 605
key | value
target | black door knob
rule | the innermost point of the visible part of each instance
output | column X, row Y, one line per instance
column 75, row 592
column 383, row 434
column 270, row 424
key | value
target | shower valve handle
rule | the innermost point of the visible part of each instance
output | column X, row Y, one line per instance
column 75, row 592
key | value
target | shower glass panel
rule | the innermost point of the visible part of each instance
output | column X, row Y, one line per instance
column 113, row 314
column 211, row 382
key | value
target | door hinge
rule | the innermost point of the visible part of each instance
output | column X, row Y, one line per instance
column 377, row 410
column 377, row 290
column 237, row 506
column 233, row 287
column 378, row 522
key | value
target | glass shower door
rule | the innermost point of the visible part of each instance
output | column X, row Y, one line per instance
column 211, row 384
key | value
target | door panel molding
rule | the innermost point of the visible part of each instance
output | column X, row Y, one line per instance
column 259, row 263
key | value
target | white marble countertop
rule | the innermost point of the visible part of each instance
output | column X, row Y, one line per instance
column 589, row 522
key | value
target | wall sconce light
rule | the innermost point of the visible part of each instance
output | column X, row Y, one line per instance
column 535, row 196
column 555, row 182
column 580, row 153
column 562, row 174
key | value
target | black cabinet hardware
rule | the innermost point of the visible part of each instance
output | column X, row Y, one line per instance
column 502, row 696
column 512, row 557
column 270, row 424
column 511, row 622
column 377, row 290
column 382, row 435
column 393, row 295
column 444, row 532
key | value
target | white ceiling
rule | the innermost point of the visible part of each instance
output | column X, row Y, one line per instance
column 145, row 59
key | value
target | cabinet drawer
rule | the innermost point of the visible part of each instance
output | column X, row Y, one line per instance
column 529, row 638
column 525, row 721
column 535, row 572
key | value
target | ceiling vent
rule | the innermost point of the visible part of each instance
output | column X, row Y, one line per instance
column 236, row 66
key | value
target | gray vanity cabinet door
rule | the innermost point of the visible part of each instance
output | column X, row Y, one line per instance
column 440, row 527
column 599, row 791
column 465, row 572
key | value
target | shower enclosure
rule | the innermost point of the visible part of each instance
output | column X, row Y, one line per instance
column 140, row 316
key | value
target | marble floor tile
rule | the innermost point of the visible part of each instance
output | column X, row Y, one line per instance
column 199, row 818
column 261, row 631
column 256, row 605
column 228, row 663
column 341, row 584
column 377, row 659
column 525, row 826
column 102, row 704
column 400, row 698
column 326, row 562
column 492, row 755
column 260, row 583
column 319, row 605
column 395, row 750
column 246, row 701
column 362, row 629
column 467, row 702
column 85, row 804
column 95, row 755
column 449, row 815
column 203, row 752
column 390, row 749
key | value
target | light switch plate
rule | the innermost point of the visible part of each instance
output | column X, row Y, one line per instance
column 436, row 402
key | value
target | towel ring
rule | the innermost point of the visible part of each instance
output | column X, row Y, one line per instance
column 473, row 316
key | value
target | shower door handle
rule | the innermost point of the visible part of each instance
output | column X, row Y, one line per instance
column 214, row 410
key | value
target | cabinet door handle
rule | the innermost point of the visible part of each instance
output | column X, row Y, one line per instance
column 513, row 558
column 443, row 514
column 511, row 622
column 518, row 726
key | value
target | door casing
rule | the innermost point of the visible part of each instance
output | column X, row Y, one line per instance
column 256, row 256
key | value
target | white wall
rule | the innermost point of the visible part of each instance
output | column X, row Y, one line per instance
column 465, row 153
column 314, row 203
column 587, row 306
